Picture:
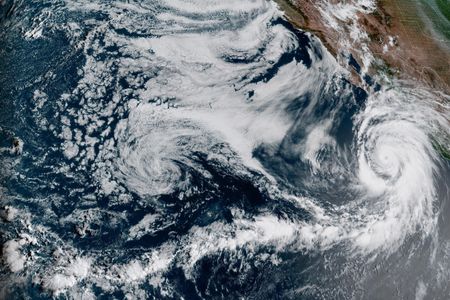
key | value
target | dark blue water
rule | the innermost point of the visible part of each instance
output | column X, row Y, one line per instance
column 129, row 173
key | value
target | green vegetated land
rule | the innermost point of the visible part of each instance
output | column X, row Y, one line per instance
column 444, row 7
column 441, row 149
column 438, row 11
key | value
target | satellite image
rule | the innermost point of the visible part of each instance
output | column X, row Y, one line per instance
column 224, row 149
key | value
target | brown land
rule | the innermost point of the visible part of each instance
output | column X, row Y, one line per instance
column 415, row 53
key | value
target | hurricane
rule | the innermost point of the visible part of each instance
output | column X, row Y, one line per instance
column 205, row 149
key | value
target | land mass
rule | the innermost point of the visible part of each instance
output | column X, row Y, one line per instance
column 396, row 35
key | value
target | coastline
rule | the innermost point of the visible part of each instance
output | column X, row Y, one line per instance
column 395, row 34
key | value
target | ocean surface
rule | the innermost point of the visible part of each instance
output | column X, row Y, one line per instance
column 207, row 149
